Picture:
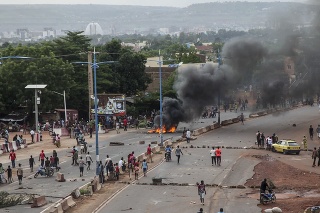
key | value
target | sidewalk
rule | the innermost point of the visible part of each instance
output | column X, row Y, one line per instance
column 46, row 144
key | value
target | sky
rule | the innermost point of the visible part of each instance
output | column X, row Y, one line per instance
column 170, row 3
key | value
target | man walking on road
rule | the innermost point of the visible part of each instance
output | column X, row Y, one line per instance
column 178, row 152
column 149, row 153
column 31, row 163
column 89, row 160
column 20, row 174
column 218, row 154
column 42, row 157
column 202, row 191
column 318, row 131
column 213, row 156
column 81, row 166
column 32, row 135
column 242, row 118
column 107, row 164
column 188, row 136
column 311, row 132
column 12, row 157
column 304, row 141
column 314, row 156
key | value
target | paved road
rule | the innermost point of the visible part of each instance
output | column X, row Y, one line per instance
column 196, row 166
column 224, row 136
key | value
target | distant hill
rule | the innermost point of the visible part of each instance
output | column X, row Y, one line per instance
column 128, row 18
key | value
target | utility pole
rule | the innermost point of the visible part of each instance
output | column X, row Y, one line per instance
column 90, row 83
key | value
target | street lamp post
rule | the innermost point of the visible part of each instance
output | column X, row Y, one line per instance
column 160, row 79
column 95, row 65
column 36, row 88
column 64, row 102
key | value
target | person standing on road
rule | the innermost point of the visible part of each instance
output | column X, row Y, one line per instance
column 31, row 163
column 318, row 131
column 213, row 156
column 242, row 118
column 32, row 135
column 20, row 174
column 107, row 164
column 81, row 166
column 221, row 210
column 258, row 135
column 263, row 139
column 314, row 156
column 178, row 153
column 42, row 157
column 304, row 142
column 269, row 143
column 218, row 154
column 188, row 136
column 9, row 174
column 120, row 164
column 88, row 160
column 144, row 167
column 118, row 127
column 201, row 191
column 125, row 124
column 311, row 132
column 149, row 153
column 12, row 157
column 136, row 172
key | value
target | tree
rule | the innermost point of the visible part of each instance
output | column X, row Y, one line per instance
column 43, row 68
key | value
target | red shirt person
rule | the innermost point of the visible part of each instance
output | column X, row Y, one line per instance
column 149, row 153
column 12, row 157
column 218, row 154
column 125, row 124
column 42, row 156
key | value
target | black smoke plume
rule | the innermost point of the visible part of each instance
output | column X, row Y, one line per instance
column 248, row 61
column 199, row 86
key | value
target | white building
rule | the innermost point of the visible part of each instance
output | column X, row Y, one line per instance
column 93, row 29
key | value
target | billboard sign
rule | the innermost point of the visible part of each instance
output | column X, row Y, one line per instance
column 111, row 104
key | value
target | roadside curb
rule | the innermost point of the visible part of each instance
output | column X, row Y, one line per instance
column 227, row 122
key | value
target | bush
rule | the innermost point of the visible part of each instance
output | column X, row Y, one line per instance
column 142, row 124
column 7, row 200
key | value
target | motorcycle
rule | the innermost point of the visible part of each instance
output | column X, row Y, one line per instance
column 42, row 172
column 168, row 156
column 269, row 197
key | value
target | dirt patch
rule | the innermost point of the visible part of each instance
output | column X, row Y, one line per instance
column 286, row 178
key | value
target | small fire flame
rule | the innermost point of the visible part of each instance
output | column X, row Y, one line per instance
column 164, row 130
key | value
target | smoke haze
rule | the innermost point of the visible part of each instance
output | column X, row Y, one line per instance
column 249, row 61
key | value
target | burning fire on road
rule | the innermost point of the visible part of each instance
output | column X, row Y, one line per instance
column 164, row 130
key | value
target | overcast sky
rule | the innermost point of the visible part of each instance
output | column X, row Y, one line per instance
column 172, row 3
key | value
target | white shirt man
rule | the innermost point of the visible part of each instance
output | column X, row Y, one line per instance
column 120, row 163
column 188, row 135
column 32, row 135
column 213, row 156
column 269, row 143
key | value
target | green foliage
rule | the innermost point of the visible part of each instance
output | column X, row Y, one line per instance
column 167, row 88
column 51, row 64
column 43, row 68
column 7, row 200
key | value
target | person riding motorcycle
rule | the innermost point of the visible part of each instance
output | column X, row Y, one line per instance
column 168, row 152
column 263, row 187
column 41, row 170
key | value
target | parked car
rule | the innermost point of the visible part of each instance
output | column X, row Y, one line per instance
column 286, row 146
